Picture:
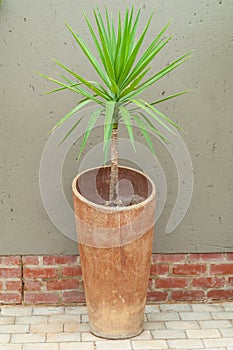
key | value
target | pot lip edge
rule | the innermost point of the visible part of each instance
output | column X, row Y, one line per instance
column 114, row 209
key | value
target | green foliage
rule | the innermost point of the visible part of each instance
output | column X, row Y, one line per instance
column 122, row 76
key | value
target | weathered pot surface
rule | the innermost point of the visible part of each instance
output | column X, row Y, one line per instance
column 115, row 245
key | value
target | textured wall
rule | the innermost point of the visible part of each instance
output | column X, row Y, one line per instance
column 31, row 32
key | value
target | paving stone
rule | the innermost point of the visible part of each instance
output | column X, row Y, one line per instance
column 163, row 316
column 76, row 310
column 84, row 318
column 7, row 320
column 4, row 338
column 87, row 336
column 31, row 320
column 6, row 329
column 227, row 332
column 27, row 338
column 151, row 309
column 154, row 325
column 182, row 325
column 218, row 342
column 147, row 345
column 215, row 324
column 16, row 311
column 228, row 306
column 113, row 345
column 44, row 311
column 50, row 346
column 195, row 316
column 46, row 328
column 207, row 307
column 175, row 307
column 11, row 347
column 203, row 333
column 185, row 344
column 169, row 334
column 64, row 319
column 63, row 337
column 77, row 346
column 145, row 335
column 225, row 315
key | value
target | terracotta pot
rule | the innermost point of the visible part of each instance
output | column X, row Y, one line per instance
column 115, row 245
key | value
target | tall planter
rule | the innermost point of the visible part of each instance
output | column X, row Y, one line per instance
column 115, row 245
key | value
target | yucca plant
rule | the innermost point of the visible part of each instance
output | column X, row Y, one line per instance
column 122, row 72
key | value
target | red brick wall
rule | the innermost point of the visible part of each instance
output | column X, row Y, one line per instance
column 58, row 279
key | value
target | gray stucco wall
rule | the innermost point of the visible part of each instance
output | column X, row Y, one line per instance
column 31, row 32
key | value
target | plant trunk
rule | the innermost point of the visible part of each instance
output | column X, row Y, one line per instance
column 113, row 191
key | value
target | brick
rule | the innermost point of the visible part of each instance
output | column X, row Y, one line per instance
column 11, row 260
column 189, row 269
column 62, row 284
column 72, row 271
column 30, row 260
column 227, row 332
column 151, row 308
column 39, row 298
column 230, row 281
column 10, row 298
column 220, row 294
column 14, row 286
column 229, row 256
column 73, row 297
column 148, row 344
column 10, row 272
column 59, row 259
column 44, row 272
column 208, row 282
column 203, row 333
column 159, row 269
column 187, row 295
column 207, row 257
column 171, row 282
column 154, row 325
column 32, row 285
column 168, row 258
column 1, row 286
column 221, row 269
column 156, row 296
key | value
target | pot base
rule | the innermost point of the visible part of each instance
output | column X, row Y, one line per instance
column 116, row 336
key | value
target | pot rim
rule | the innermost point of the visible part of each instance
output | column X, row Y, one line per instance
column 113, row 209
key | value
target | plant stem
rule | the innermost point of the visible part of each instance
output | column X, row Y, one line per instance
column 113, row 191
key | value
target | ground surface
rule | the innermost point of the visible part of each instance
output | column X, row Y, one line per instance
column 177, row 326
